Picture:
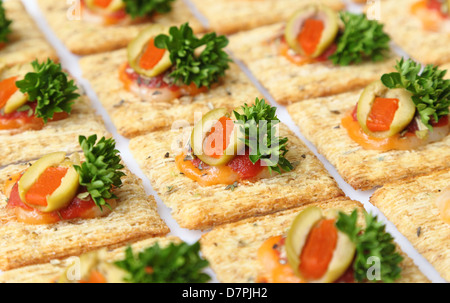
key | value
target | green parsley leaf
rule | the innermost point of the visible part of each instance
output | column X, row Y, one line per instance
column 176, row 263
column 431, row 92
column 259, row 124
column 203, row 69
column 49, row 86
column 373, row 241
column 142, row 8
column 5, row 28
column 101, row 170
column 362, row 39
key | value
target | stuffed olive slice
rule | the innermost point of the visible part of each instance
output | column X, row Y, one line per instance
column 216, row 128
column 301, row 232
column 144, row 57
column 311, row 30
column 378, row 106
column 113, row 6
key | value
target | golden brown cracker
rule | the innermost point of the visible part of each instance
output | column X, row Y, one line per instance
column 320, row 121
column 82, row 37
column 232, row 249
column 197, row 207
column 410, row 205
column 135, row 218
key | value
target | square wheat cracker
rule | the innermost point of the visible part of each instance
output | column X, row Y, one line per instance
column 59, row 135
column 83, row 38
column 51, row 271
column 133, row 116
column 197, row 207
column 26, row 43
column 319, row 121
column 135, row 218
column 230, row 16
column 410, row 205
column 232, row 249
column 288, row 82
column 406, row 30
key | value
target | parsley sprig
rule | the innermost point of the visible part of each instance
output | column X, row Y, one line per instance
column 142, row 8
column 431, row 92
column 259, row 124
column 176, row 263
column 5, row 23
column 101, row 170
column 203, row 69
column 361, row 39
column 49, row 86
column 373, row 241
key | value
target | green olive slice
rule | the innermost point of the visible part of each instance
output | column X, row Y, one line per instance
column 81, row 268
column 298, row 234
column 201, row 130
column 139, row 44
column 313, row 11
column 64, row 194
column 17, row 100
column 403, row 116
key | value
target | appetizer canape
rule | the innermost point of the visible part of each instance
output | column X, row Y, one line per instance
column 385, row 131
column 75, row 202
column 96, row 26
column 420, row 27
column 165, row 76
column 41, row 112
column 316, row 52
column 162, row 68
column 324, row 242
column 20, row 39
column 210, row 174
column 237, row 16
column 154, row 260
column 419, row 208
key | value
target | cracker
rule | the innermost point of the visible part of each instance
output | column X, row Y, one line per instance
column 410, row 205
column 135, row 218
column 132, row 116
column 225, row 16
column 49, row 272
column 406, row 30
column 197, row 207
column 288, row 82
column 26, row 42
column 83, row 38
column 320, row 121
column 232, row 249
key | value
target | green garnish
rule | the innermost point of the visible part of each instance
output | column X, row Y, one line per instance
column 49, row 86
column 142, row 8
column 5, row 23
column 362, row 39
column 176, row 263
column 259, row 121
column 373, row 241
column 431, row 92
column 101, row 170
column 203, row 69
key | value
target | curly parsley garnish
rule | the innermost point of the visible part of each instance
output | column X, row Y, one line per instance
column 142, row 8
column 176, row 263
column 203, row 69
column 259, row 124
column 362, row 39
column 373, row 241
column 5, row 23
column 431, row 92
column 101, row 170
column 49, row 86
